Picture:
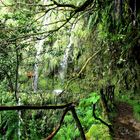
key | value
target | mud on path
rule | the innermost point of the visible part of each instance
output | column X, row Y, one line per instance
column 126, row 127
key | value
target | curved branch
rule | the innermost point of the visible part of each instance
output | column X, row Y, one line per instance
column 88, row 60
column 59, row 126
column 103, row 122
column 72, row 109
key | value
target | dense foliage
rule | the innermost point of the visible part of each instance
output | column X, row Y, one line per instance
column 57, row 52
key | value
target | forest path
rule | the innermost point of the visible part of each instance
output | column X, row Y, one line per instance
column 126, row 127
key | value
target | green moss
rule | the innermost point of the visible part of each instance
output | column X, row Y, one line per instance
column 42, row 84
column 98, row 131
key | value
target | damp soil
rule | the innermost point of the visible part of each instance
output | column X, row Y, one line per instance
column 126, row 127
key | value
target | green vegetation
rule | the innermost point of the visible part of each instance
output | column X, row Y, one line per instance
column 78, row 53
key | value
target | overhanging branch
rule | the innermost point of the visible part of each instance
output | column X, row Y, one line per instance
column 41, row 33
column 74, row 11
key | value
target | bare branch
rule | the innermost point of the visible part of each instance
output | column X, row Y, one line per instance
column 103, row 122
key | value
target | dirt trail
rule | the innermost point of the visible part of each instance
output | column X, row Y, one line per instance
column 125, row 126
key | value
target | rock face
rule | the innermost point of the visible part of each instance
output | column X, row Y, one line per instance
column 125, row 126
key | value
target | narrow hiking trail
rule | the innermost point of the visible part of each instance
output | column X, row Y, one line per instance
column 126, row 127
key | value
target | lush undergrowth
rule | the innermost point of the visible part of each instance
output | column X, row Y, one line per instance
column 93, row 128
column 36, row 125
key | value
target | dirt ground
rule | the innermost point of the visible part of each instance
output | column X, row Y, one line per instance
column 126, row 127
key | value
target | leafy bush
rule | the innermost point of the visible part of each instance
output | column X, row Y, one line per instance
column 94, row 128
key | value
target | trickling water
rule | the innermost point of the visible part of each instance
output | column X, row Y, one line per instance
column 19, row 120
column 39, row 48
column 64, row 63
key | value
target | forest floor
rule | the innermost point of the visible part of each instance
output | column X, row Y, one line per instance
column 126, row 127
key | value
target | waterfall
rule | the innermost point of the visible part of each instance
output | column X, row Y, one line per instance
column 39, row 48
column 64, row 62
